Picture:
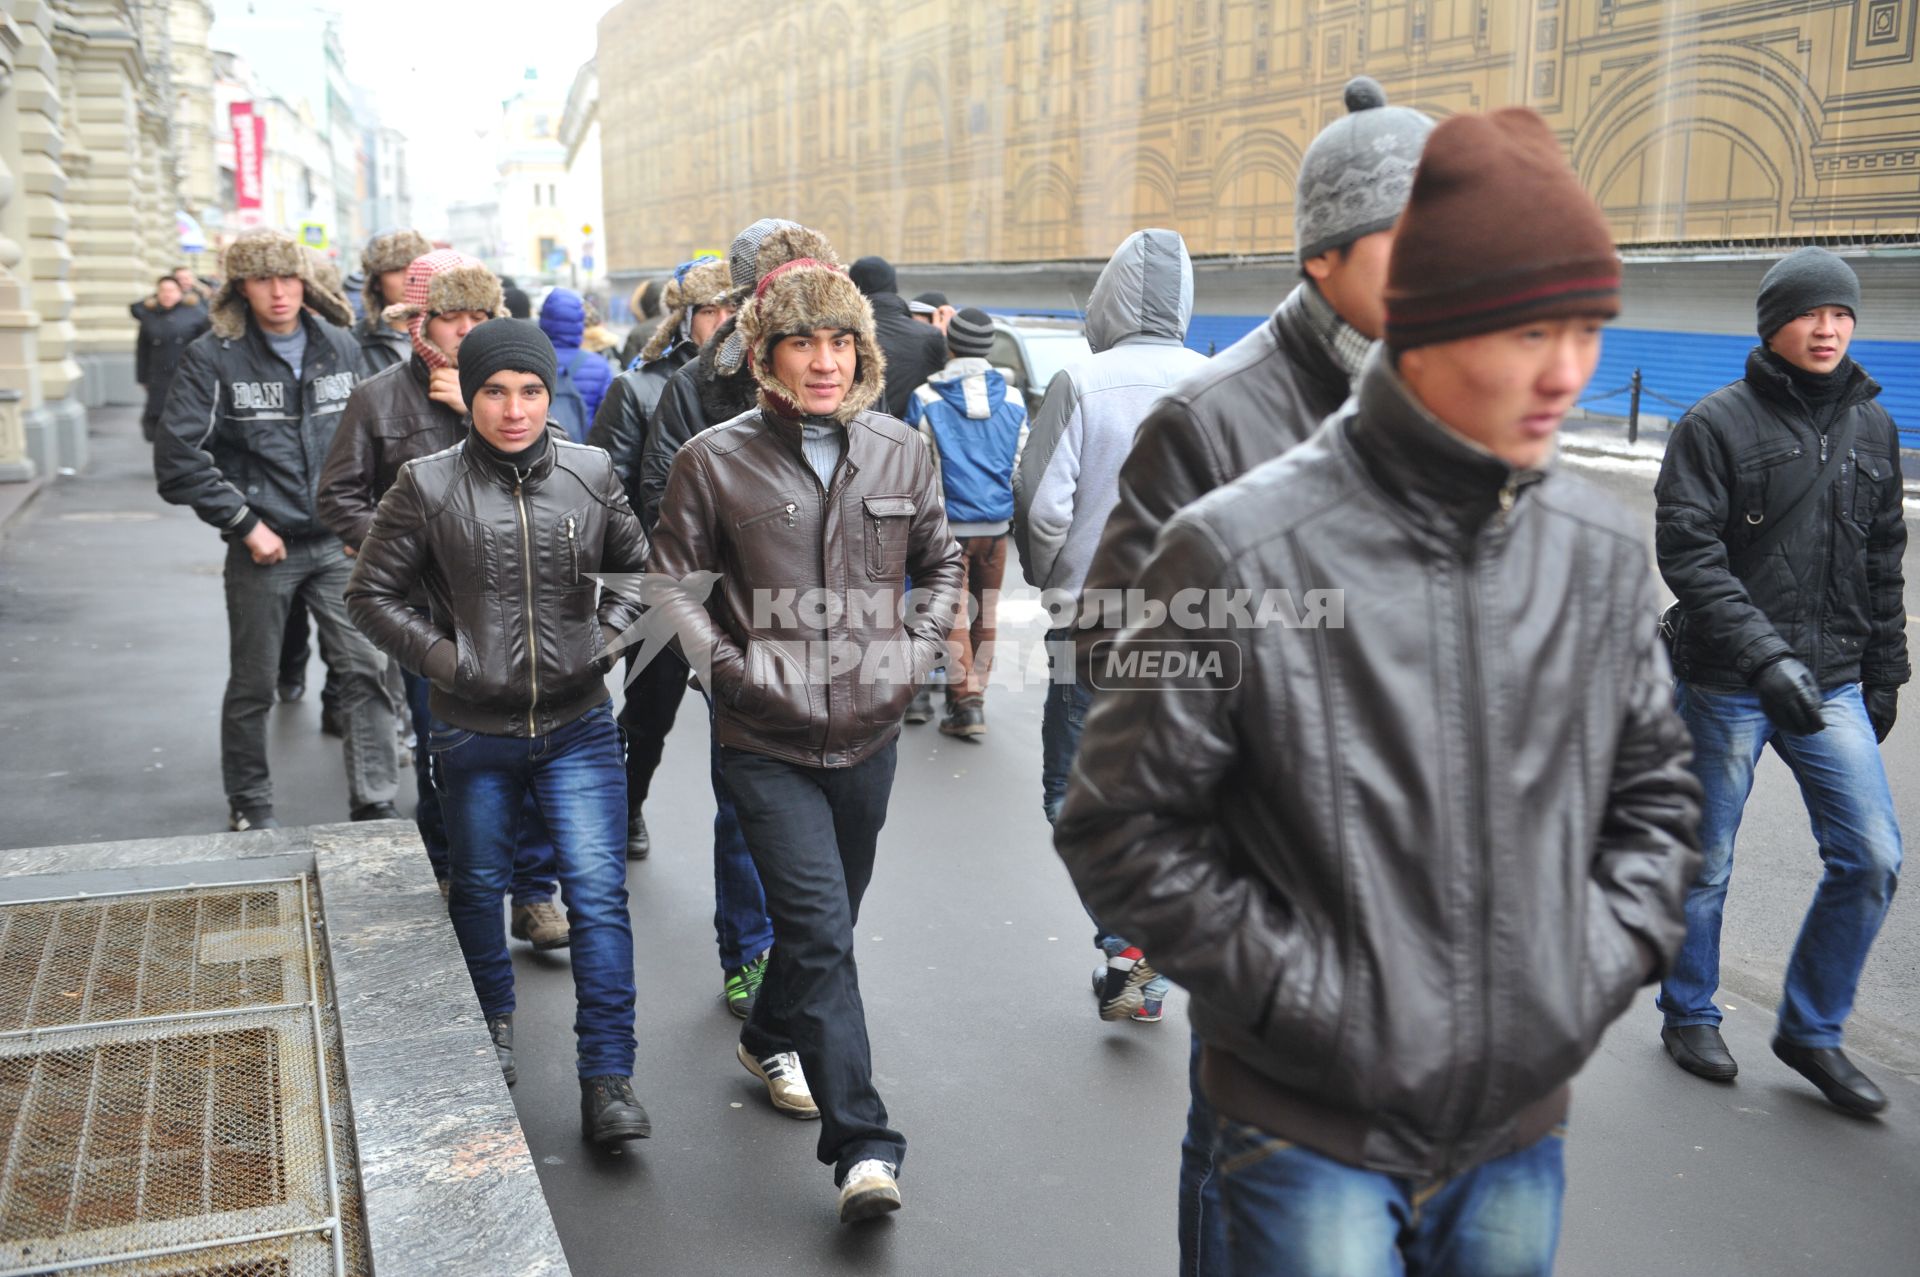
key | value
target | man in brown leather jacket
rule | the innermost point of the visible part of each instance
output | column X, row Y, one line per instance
column 1414, row 837
column 811, row 510
column 506, row 534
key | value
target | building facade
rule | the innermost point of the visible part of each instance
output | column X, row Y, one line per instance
column 533, row 215
column 943, row 132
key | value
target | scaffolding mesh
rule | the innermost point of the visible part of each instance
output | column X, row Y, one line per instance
column 161, row 1088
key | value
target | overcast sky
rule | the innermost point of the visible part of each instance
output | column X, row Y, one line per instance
column 439, row 71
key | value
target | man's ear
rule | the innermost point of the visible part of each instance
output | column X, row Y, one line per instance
column 1318, row 268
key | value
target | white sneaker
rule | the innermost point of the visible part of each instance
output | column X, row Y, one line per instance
column 786, row 1084
column 868, row 1191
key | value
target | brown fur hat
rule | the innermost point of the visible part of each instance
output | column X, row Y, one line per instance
column 441, row 281
column 706, row 284
column 393, row 251
column 325, row 273
column 263, row 253
column 800, row 297
column 756, row 251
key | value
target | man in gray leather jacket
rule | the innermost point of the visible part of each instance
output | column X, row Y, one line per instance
column 1412, row 819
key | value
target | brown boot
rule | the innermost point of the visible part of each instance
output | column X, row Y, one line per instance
column 541, row 924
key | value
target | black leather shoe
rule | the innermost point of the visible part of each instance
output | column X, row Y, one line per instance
column 639, row 841
column 609, row 1113
column 1697, row 1048
column 292, row 689
column 920, row 708
column 501, row 1027
column 377, row 811
column 1827, row 1067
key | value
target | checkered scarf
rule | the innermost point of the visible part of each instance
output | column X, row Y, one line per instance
column 416, row 297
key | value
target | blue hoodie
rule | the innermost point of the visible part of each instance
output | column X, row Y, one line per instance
column 975, row 431
column 563, row 318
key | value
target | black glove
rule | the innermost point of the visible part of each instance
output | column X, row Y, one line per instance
column 1883, row 706
column 1789, row 696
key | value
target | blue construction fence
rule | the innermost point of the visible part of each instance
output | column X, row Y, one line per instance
column 1676, row 369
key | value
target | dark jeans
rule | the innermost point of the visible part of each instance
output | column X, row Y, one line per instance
column 1203, row 1216
column 259, row 598
column 813, row 831
column 653, row 701
column 741, row 927
column 1062, row 717
column 1850, row 806
column 533, row 871
column 576, row 777
column 1291, row 1210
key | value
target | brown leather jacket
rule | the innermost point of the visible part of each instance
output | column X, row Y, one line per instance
column 515, row 643
column 802, row 638
column 389, row 421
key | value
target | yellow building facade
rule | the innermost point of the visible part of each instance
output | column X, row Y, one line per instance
column 936, row 131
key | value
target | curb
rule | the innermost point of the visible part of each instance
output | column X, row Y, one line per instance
column 18, row 498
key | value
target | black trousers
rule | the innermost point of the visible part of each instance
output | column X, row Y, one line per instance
column 812, row 832
column 653, row 700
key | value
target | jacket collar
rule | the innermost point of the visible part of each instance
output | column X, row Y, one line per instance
column 481, row 458
column 860, row 440
column 1445, row 480
column 1306, row 346
column 1775, row 385
column 417, row 367
column 317, row 345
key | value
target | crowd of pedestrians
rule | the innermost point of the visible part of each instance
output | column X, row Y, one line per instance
column 1410, row 855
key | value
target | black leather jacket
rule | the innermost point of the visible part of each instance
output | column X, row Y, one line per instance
column 1831, row 592
column 1252, row 402
column 625, row 417
column 696, row 396
column 1411, row 864
column 241, row 439
column 389, row 421
column 516, row 642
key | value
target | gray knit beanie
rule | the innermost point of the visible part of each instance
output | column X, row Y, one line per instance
column 1357, row 174
column 505, row 345
column 970, row 334
column 1800, row 281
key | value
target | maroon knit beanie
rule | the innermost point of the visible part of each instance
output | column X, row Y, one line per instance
column 1498, row 232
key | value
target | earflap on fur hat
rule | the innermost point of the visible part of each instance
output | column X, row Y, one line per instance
column 394, row 250
column 438, row 283
column 704, row 282
column 802, row 296
column 263, row 253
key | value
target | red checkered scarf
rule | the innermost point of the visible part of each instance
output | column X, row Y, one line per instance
column 420, row 273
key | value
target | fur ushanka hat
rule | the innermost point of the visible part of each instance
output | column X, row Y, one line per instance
column 702, row 283
column 268, row 254
column 799, row 297
column 769, row 242
column 394, row 250
column 441, row 281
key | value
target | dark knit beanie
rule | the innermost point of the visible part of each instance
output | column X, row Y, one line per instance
column 874, row 275
column 1498, row 232
column 932, row 298
column 970, row 334
column 1801, row 281
column 1355, row 176
column 504, row 345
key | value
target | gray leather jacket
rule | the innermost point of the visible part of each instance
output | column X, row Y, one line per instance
column 1410, row 865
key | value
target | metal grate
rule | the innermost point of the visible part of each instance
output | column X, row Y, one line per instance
column 167, row 1068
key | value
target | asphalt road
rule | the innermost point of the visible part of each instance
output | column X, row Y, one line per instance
column 1041, row 1141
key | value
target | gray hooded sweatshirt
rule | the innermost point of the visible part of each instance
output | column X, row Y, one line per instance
column 1067, row 480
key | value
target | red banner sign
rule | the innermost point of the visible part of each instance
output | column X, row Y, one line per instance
column 249, row 161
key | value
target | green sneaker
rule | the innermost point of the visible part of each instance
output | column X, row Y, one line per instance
column 743, row 983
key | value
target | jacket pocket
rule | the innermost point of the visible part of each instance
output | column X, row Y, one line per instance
column 888, row 522
column 775, row 689
column 1869, row 473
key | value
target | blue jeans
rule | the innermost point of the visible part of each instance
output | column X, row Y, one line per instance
column 1850, row 807
column 1203, row 1217
column 741, row 927
column 1291, row 1210
column 533, row 872
column 578, row 779
column 1062, row 718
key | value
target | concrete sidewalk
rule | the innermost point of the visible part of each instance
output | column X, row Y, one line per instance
column 1041, row 1141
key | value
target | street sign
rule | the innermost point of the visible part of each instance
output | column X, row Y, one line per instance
column 313, row 234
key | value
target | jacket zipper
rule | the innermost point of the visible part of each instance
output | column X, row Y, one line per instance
column 787, row 510
column 1475, row 693
column 526, row 565
column 573, row 551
